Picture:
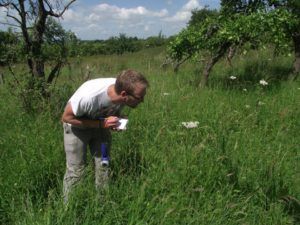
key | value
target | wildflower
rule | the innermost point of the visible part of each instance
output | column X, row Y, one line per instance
column 165, row 93
column 263, row 82
column 245, row 89
column 260, row 103
column 191, row 124
column 247, row 106
column 232, row 77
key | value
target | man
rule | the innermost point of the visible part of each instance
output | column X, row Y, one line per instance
column 90, row 114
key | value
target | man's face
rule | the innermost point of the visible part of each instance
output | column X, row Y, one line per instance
column 137, row 96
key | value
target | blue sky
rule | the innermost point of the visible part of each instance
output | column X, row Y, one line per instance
column 98, row 19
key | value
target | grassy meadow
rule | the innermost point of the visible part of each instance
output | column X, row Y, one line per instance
column 239, row 166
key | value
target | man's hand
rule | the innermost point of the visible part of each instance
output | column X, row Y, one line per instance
column 111, row 122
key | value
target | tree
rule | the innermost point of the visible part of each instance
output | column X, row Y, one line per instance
column 293, row 7
column 236, row 25
column 56, row 45
column 292, row 28
column 31, row 18
column 155, row 41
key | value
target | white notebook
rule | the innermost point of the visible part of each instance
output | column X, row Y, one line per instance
column 123, row 124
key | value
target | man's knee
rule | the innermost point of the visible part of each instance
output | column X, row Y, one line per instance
column 74, row 171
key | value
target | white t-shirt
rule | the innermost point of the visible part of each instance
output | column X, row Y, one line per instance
column 92, row 101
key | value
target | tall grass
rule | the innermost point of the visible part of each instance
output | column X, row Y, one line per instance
column 239, row 166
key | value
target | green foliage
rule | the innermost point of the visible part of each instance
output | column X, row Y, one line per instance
column 257, row 28
column 122, row 44
column 117, row 45
column 155, row 41
column 59, row 44
column 239, row 166
column 10, row 49
column 57, row 41
column 231, row 7
column 199, row 16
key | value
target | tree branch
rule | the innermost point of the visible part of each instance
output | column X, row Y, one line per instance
column 51, row 13
column 5, row 4
column 49, row 5
column 15, row 18
column 9, row 24
column 54, row 72
column 13, row 74
column 15, row 7
column 178, row 63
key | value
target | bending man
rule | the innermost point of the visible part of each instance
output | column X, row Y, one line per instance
column 90, row 114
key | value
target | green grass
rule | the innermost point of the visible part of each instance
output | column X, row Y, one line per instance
column 239, row 166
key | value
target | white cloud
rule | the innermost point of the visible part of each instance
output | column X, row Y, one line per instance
column 71, row 15
column 184, row 14
column 2, row 11
column 169, row 2
column 104, row 20
column 161, row 13
column 92, row 26
column 93, row 17
column 3, row 15
column 192, row 4
column 146, row 28
column 127, row 13
column 179, row 17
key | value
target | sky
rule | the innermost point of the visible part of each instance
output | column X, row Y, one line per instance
column 98, row 19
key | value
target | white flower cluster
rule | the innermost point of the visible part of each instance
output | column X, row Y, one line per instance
column 191, row 124
column 263, row 82
column 232, row 77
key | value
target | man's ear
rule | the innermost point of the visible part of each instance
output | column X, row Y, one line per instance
column 123, row 94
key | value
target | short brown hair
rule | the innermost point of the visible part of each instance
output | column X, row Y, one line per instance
column 127, row 80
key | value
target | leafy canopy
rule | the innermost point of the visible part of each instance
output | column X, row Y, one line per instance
column 214, row 32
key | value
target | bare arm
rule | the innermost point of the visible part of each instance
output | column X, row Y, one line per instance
column 69, row 117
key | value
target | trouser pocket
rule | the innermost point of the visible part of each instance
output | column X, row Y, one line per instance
column 67, row 128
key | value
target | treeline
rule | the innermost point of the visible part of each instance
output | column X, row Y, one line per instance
column 65, row 43
column 117, row 45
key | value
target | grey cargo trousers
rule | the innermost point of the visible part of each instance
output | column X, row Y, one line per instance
column 76, row 142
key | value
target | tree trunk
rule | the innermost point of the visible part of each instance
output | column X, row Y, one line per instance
column 38, row 32
column 38, row 69
column 296, row 40
column 1, row 78
column 206, row 72
column 212, row 61
column 231, row 53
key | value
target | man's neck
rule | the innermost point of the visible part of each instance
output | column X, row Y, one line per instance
column 112, row 94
